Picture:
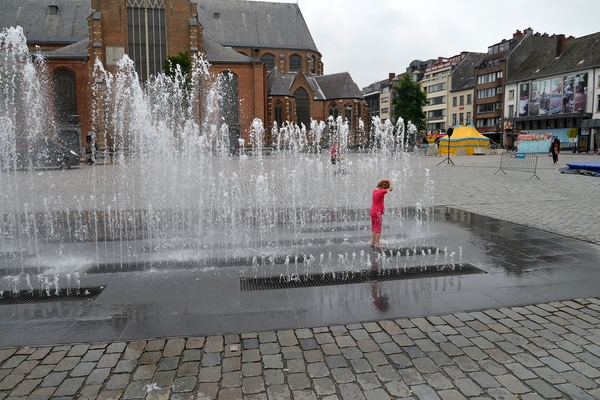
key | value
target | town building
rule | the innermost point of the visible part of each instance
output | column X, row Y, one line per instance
column 552, row 88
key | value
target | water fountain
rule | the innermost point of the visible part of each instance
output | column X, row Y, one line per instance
column 174, row 197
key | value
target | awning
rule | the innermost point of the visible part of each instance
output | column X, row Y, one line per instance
column 590, row 123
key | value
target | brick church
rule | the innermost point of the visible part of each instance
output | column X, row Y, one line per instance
column 264, row 48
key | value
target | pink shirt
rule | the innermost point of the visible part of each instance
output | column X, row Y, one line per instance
column 378, row 198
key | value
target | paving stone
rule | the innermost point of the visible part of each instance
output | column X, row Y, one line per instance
column 308, row 344
column 83, row 369
column 484, row 379
column 38, row 354
column 398, row 389
column 52, row 379
column 252, row 385
column 425, row 392
column 269, row 348
column 25, row 367
column 118, row 381
column 351, row 391
column 188, row 369
column 343, row 375
column 69, row 387
column 468, row 387
column 40, row 371
column 512, row 383
column 194, row 343
column 543, row 389
column 213, row 344
column 125, row 366
column 232, row 379
column 25, row 387
column 368, row 381
column 133, row 351
column 89, row 392
column 279, row 392
column 287, row 338
column 251, row 369
column 313, row 356
column 109, row 360
column 135, row 390
column 93, row 355
column 304, row 395
column 298, row 381
column 117, row 347
column 274, row 377
column 303, row 333
column 184, row 384
column 98, row 376
column 267, row 337
column 144, row 372
column 210, row 374
column 174, row 347
column 324, row 386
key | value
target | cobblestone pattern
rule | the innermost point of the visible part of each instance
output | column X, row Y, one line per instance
column 544, row 351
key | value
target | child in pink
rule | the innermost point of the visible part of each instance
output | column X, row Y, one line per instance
column 377, row 210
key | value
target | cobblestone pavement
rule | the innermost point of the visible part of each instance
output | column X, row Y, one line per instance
column 541, row 351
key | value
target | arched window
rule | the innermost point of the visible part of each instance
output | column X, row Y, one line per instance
column 302, row 107
column 311, row 64
column 348, row 114
column 268, row 59
column 278, row 113
column 295, row 63
column 147, row 36
column 333, row 111
column 65, row 96
column 228, row 88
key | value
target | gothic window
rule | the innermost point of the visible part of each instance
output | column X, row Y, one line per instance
column 295, row 63
column 147, row 37
column 228, row 88
column 65, row 96
column 278, row 113
column 333, row 111
column 268, row 59
column 348, row 114
column 302, row 107
column 311, row 63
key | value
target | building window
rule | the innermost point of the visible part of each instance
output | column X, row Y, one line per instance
column 268, row 59
column 598, row 108
column 468, row 117
column 454, row 101
column 302, row 107
column 146, row 32
column 462, row 101
column 461, row 118
column 348, row 114
column 469, row 99
column 385, row 110
column 511, row 94
column 65, row 96
column 437, row 100
column 311, row 64
column 551, row 124
column 229, row 100
column 295, row 63
column 333, row 111
column 453, row 119
column 278, row 113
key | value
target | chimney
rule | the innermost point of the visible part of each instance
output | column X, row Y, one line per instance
column 560, row 45
column 517, row 34
column 391, row 76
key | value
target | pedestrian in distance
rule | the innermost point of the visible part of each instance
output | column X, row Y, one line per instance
column 555, row 149
column 377, row 210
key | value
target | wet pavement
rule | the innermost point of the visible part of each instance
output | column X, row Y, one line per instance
column 528, row 326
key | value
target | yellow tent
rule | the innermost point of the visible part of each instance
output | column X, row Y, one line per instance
column 465, row 138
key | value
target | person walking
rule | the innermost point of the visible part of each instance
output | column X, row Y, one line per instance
column 377, row 210
column 555, row 149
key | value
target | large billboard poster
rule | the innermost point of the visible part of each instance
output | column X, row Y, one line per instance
column 545, row 97
column 556, row 96
column 534, row 98
column 574, row 93
column 523, row 99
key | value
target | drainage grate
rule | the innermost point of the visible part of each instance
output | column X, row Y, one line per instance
column 348, row 278
column 51, row 296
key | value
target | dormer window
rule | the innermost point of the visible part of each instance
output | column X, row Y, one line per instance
column 53, row 9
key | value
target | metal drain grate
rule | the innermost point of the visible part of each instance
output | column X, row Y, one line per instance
column 349, row 278
column 51, row 296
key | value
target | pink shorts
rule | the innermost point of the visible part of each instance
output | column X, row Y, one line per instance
column 376, row 221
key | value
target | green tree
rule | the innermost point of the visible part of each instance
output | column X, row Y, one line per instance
column 183, row 60
column 409, row 100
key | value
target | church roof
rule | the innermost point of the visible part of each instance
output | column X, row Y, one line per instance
column 41, row 25
column 256, row 24
column 216, row 53
column 324, row 87
column 78, row 50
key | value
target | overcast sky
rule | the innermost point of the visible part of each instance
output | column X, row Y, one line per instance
column 371, row 38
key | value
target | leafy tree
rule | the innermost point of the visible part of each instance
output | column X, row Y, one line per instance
column 182, row 59
column 409, row 100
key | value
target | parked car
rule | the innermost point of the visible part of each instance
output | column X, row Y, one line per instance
column 39, row 152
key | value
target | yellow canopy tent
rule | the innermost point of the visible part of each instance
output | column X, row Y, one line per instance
column 465, row 138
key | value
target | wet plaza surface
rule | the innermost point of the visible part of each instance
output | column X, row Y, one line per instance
column 517, row 266
column 496, row 298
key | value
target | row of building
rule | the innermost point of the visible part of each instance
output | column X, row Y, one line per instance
column 529, row 84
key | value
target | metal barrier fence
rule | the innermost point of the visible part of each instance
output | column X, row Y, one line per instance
column 522, row 162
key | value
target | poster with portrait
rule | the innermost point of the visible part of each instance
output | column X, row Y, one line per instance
column 534, row 98
column 574, row 96
column 545, row 97
column 556, row 95
column 523, row 99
